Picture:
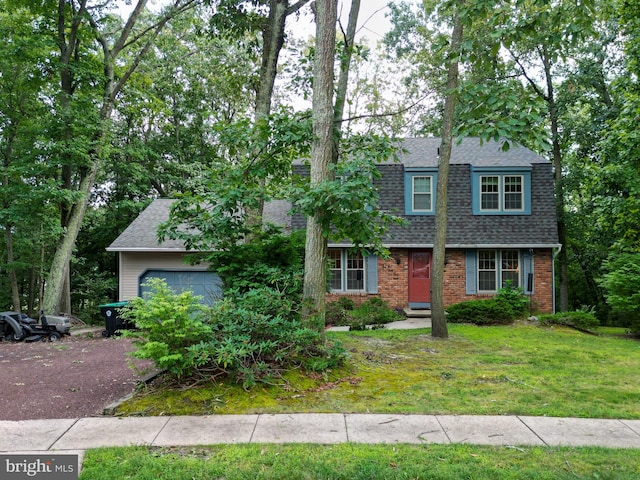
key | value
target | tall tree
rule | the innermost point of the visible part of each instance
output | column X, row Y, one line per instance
column 322, row 151
column 439, row 321
column 76, row 23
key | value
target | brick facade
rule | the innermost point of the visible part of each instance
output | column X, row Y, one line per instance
column 393, row 280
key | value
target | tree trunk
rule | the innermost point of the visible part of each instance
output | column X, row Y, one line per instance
column 272, row 42
column 59, row 265
column 315, row 270
column 13, row 278
column 438, row 318
column 563, row 260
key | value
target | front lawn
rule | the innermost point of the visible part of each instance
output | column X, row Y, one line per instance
column 518, row 370
column 353, row 462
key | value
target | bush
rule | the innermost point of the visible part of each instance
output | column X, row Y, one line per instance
column 249, row 337
column 516, row 298
column 258, row 334
column 272, row 260
column 493, row 311
column 337, row 312
column 168, row 325
column 581, row 319
column 374, row 311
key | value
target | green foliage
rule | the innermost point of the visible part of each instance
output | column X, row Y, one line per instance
column 347, row 202
column 373, row 313
column 492, row 311
column 271, row 259
column 258, row 334
column 250, row 337
column 337, row 312
column 509, row 304
column 515, row 297
column 168, row 325
column 622, row 284
column 579, row 319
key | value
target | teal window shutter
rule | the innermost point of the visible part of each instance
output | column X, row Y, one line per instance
column 372, row 274
column 470, row 260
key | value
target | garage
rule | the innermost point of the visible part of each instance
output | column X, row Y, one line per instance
column 205, row 284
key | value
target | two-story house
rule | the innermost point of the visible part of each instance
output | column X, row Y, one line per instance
column 501, row 228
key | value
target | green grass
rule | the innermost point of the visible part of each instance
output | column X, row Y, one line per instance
column 517, row 370
column 353, row 462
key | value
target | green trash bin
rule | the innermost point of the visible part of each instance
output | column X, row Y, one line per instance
column 112, row 319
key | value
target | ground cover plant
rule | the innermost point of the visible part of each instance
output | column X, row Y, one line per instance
column 521, row 369
column 353, row 462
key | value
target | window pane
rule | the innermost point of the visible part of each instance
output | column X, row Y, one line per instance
column 489, row 193
column 513, row 193
column 335, row 266
column 487, row 281
column 487, row 270
column 422, row 184
column 422, row 201
column 422, row 193
column 510, row 270
column 355, row 272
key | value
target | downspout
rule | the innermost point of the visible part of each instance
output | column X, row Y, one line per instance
column 553, row 277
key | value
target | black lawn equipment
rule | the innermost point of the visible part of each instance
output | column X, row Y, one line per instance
column 18, row 326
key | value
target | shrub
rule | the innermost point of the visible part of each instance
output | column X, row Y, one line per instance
column 258, row 334
column 272, row 260
column 168, row 324
column 374, row 311
column 249, row 337
column 581, row 319
column 337, row 312
column 493, row 311
column 515, row 297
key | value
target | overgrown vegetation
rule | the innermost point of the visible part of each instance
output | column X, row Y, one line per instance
column 271, row 260
column 508, row 305
column 373, row 313
column 523, row 369
column 249, row 337
column 359, row 462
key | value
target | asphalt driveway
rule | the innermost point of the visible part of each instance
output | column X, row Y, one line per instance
column 76, row 377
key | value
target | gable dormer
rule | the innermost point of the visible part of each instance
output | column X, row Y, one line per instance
column 501, row 190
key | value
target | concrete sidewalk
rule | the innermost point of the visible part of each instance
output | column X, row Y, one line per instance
column 78, row 434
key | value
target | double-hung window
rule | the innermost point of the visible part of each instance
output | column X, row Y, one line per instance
column 497, row 269
column 419, row 188
column 347, row 271
column 501, row 193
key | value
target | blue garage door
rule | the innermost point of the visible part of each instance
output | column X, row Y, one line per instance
column 207, row 285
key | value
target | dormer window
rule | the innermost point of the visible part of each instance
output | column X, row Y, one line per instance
column 504, row 192
column 501, row 193
column 419, row 191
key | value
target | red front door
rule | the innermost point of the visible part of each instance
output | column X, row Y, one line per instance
column 419, row 278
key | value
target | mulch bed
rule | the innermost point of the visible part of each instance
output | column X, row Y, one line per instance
column 76, row 377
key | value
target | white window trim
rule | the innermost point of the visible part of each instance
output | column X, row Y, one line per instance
column 498, row 270
column 413, row 193
column 502, row 193
column 344, row 268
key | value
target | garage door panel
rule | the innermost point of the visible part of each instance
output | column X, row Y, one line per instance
column 207, row 285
